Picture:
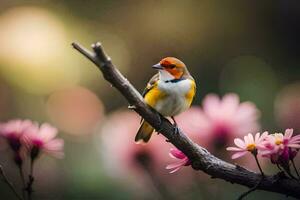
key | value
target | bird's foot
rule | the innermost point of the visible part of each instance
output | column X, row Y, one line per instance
column 176, row 129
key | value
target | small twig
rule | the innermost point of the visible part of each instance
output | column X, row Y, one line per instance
column 287, row 170
column 295, row 168
column 23, row 180
column 11, row 186
column 251, row 189
column 279, row 168
column 29, row 188
column 256, row 185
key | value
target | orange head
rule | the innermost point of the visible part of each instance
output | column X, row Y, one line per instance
column 173, row 66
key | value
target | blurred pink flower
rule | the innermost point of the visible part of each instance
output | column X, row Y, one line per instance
column 281, row 148
column 227, row 118
column 190, row 123
column 119, row 129
column 42, row 139
column 132, row 162
column 250, row 144
column 13, row 130
column 177, row 154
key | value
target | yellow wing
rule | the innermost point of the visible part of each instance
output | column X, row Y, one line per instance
column 150, row 84
column 151, row 93
column 191, row 94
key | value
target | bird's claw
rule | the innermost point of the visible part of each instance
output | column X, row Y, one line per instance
column 176, row 129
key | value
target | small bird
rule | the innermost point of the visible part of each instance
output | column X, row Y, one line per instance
column 170, row 92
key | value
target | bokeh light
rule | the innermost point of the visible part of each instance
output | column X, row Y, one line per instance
column 33, row 45
column 75, row 110
column 287, row 107
column 254, row 80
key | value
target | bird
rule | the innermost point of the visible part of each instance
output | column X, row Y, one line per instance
column 170, row 92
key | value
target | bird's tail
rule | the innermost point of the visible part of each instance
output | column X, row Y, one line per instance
column 144, row 133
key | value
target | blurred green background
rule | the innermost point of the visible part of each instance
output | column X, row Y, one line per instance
column 247, row 47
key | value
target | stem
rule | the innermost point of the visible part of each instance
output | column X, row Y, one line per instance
column 23, row 181
column 254, row 153
column 290, row 174
column 257, row 162
column 279, row 167
column 251, row 189
column 29, row 188
column 295, row 168
column 11, row 186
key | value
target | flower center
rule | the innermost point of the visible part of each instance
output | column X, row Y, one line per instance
column 251, row 147
column 278, row 142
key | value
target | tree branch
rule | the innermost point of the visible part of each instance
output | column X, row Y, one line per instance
column 200, row 158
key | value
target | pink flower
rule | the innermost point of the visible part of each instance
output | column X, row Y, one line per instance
column 177, row 154
column 227, row 118
column 250, row 144
column 13, row 130
column 281, row 148
column 131, row 163
column 42, row 139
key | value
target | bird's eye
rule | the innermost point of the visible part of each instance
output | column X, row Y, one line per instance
column 172, row 66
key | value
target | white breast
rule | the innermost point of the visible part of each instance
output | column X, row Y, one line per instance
column 175, row 101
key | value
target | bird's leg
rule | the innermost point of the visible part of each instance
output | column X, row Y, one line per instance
column 176, row 129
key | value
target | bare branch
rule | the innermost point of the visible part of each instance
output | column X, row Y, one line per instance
column 200, row 158
column 11, row 186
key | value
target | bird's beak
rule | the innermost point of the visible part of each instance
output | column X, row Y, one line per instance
column 157, row 66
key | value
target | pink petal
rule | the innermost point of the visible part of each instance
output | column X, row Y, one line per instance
column 250, row 138
column 239, row 154
column 246, row 139
column 55, row 148
column 295, row 139
column 264, row 135
column 47, row 132
column 175, row 153
column 229, row 104
column 247, row 112
column 256, row 139
column 240, row 143
column 297, row 146
column 211, row 104
column 175, row 170
column 234, row 149
column 176, row 166
column 288, row 133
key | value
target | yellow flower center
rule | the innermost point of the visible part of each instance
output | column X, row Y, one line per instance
column 251, row 147
column 278, row 142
